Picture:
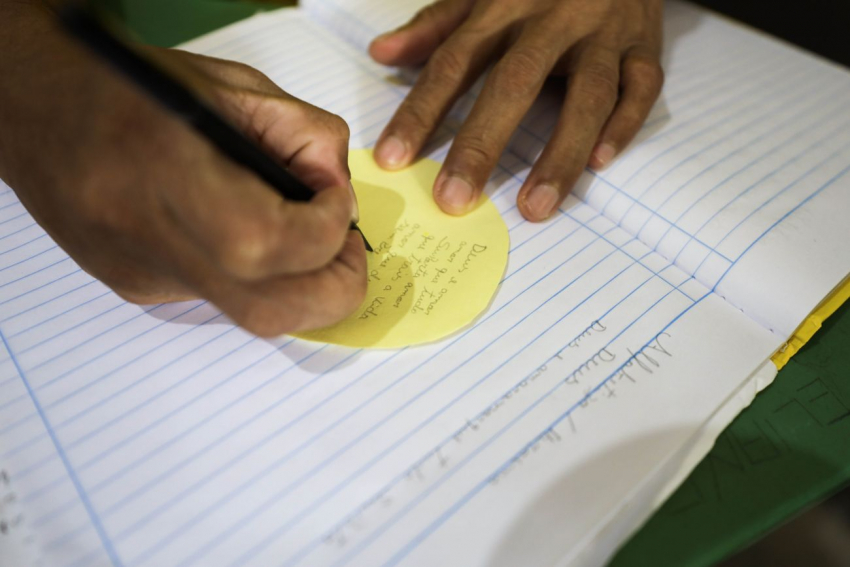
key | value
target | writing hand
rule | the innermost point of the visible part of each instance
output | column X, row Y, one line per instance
column 608, row 49
column 143, row 203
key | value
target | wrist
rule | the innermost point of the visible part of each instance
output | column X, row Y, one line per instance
column 49, row 97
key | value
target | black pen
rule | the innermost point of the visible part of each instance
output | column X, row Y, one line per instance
column 177, row 98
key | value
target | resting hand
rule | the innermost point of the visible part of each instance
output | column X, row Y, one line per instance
column 608, row 49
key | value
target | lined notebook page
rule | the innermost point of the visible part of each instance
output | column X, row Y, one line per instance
column 748, row 131
column 162, row 435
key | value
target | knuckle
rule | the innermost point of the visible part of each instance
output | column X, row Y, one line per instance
column 445, row 66
column 475, row 149
column 497, row 14
column 520, row 72
column 648, row 73
column 244, row 249
column 599, row 86
column 427, row 14
column 251, row 72
column 414, row 118
column 629, row 123
column 340, row 127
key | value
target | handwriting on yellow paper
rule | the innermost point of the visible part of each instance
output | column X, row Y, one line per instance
column 431, row 274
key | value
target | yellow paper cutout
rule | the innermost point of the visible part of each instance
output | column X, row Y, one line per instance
column 812, row 324
column 431, row 274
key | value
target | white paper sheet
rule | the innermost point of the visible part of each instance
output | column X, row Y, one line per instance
column 544, row 433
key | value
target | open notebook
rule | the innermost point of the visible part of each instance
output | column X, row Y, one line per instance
column 626, row 333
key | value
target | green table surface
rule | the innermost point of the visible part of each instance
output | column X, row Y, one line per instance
column 169, row 22
column 788, row 450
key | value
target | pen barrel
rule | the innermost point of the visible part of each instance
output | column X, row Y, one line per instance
column 181, row 101
column 247, row 154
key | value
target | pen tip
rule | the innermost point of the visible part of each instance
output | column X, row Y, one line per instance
column 363, row 236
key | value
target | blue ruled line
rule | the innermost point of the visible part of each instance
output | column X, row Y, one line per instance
column 350, row 413
column 547, row 249
column 343, row 484
column 417, row 540
column 42, row 286
column 377, row 533
column 108, row 548
column 20, row 332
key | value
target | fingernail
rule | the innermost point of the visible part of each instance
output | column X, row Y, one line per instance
column 603, row 154
column 541, row 201
column 391, row 152
column 355, row 210
column 456, row 194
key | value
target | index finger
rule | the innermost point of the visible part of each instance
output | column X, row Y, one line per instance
column 508, row 93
